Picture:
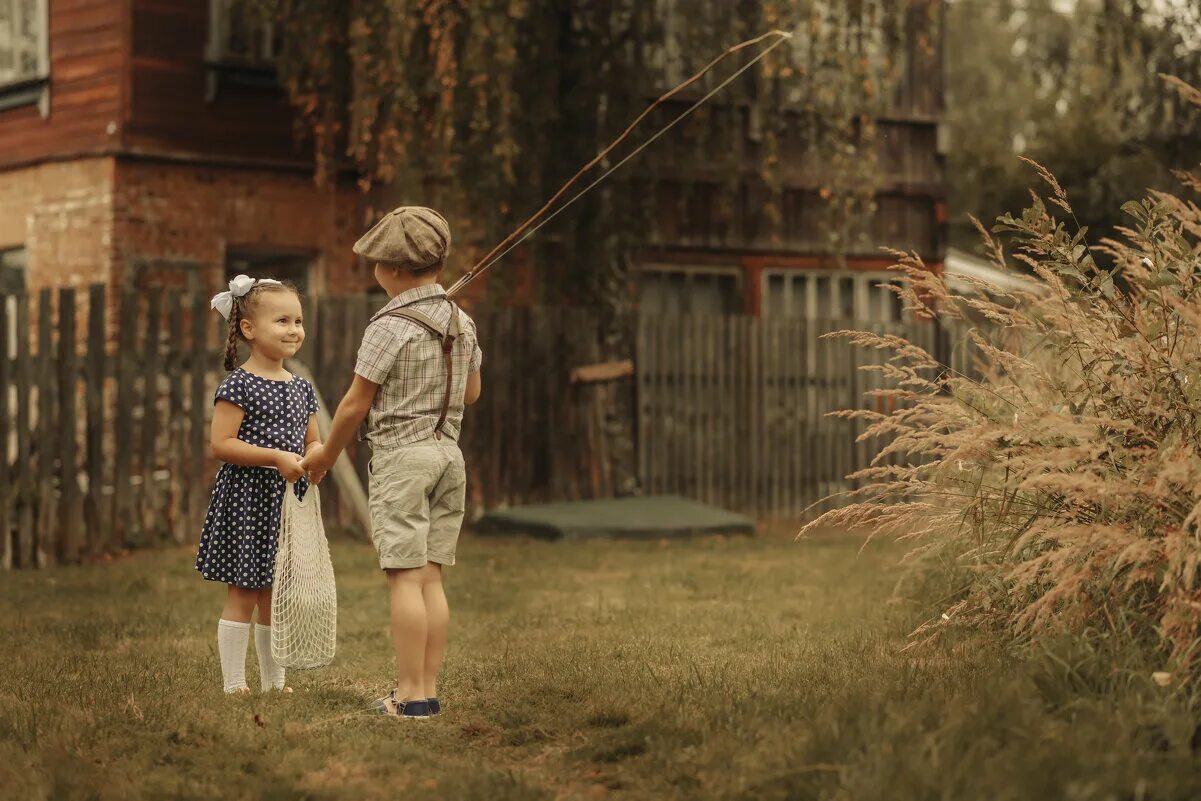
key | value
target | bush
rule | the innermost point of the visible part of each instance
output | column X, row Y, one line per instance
column 1063, row 483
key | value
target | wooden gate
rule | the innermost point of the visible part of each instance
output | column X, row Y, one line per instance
column 734, row 410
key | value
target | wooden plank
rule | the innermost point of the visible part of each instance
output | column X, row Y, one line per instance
column 658, row 422
column 151, row 508
column 366, row 307
column 24, row 549
column 498, row 332
column 198, row 396
column 604, row 371
column 330, row 308
column 652, row 435
column 799, row 393
column 810, row 404
column 773, row 405
column 640, row 389
column 733, row 419
column 710, row 367
column 45, row 545
column 825, row 393
column 124, row 371
column 70, row 514
column 7, row 494
column 758, row 428
column 698, row 434
column 675, row 410
column 176, row 426
column 685, row 347
column 93, row 509
column 738, row 411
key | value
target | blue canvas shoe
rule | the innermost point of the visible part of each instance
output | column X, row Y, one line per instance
column 388, row 705
column 435, row 707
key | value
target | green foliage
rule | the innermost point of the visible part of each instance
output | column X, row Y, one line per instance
column 1077, row 92
column 486, row 108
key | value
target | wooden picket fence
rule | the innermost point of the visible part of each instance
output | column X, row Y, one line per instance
column 104, row 417
column 735, row 410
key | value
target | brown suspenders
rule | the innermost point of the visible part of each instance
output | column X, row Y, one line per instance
column 448, row 338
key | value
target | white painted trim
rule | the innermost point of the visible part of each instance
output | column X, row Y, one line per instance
column 958, row 263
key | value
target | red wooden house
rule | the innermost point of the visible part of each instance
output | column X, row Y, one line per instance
column 146, row 141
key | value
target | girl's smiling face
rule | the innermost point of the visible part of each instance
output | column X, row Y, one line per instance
column 275, row 327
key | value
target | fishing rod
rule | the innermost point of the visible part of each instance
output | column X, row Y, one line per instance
column 531, row 225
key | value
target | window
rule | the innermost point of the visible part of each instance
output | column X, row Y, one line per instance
column 282, row 265
column 242, row 46
column 24, row 54
column 690, row 290
column 830, row 294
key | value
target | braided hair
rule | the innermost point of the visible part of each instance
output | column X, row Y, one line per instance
column 242, row 308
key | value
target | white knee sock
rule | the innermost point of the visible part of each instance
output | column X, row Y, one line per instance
column 270, row 671
column 232, row 640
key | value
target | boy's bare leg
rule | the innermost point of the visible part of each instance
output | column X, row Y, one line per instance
column 409, row 631
column 437, row 615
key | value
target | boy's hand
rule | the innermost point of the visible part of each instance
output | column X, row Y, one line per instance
column 317, row 463
column 315, row 476
column 289, row 465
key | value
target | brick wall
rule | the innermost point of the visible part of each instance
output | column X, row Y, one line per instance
column 61, row 213
column 184, row 217
column 116, row 220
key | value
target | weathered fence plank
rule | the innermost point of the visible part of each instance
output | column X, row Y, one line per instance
column 123, row 425
column 7, row 495
column 729, row 410
column 96, row 522
column 70, row 511
column 24, row 479
column 178, row 522
column 150, row 502
column 198, row 395
column 47, row 430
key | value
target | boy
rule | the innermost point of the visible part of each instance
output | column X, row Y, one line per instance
column 418, row 365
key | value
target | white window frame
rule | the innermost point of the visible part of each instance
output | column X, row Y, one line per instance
column 217, row 50
column 868, row 300
column 259, row 67
column 17, row 88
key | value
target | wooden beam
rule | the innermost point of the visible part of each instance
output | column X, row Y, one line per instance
column 604, row 371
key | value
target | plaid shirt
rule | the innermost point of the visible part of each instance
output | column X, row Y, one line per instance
column 406, row 360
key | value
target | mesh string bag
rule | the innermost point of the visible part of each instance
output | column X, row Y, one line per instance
column 304, row 600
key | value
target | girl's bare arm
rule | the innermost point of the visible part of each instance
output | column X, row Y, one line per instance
column 312, row 436
column 227, row 419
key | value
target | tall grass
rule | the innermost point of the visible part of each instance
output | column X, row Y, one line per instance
column 1063, row 486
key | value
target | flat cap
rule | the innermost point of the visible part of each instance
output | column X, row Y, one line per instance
column 412, row 237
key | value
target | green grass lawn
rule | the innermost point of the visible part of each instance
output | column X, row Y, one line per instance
column 713, row 669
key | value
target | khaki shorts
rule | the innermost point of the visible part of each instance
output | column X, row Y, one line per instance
column 417, row 495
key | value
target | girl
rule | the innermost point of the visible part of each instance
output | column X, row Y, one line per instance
column 263, row 421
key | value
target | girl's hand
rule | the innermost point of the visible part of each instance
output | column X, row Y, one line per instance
column 315, row 475
column 288, row 464
column 317, row 462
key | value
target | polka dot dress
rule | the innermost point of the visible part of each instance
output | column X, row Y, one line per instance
column 241, row 529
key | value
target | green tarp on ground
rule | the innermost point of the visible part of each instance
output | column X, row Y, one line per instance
column 653, row 517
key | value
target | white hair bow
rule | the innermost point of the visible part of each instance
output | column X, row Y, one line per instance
column 223, row 302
